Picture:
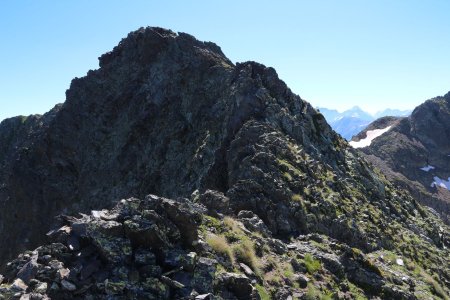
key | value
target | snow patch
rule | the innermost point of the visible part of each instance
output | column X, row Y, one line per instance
column 370, row 136
column 441, row 183
column 427, row 168
column 96, row 214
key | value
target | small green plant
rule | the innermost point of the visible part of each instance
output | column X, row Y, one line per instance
column 220, row 270
column 263, row 294
column 232, row 224
column 288, row 272
column 210, row 222
column 437, row 288
column 311, row 293
column 297, row 198
column 287, row 176
column 390, row 257
column 290, row 167
column 312, row 264
column 326, row 296
column 307, row 191
column 220, row 245
column 233, row 230
column 356, row 253
column 245, row 253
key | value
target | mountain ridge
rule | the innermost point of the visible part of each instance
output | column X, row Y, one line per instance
column 189, row 177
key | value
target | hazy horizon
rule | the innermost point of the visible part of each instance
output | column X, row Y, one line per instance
column 372, row 112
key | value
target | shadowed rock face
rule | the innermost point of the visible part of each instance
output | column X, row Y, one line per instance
column 416, row 150
column 166, row 114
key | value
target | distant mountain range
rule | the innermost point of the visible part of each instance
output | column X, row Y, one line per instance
column 352, row 121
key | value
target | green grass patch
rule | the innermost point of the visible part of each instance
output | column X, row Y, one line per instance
column 312, row 293
column 312, row 264
column 263, row 294
column 287, row 176
column 297, row 198
column 209, row 222
column 220, row 245
column 232, row 224
column 436, row 287
column 288, row 272
column 244, row 252
column 290, row 167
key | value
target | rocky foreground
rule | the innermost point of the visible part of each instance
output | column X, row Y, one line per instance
column 158, row 248
column 267, row 201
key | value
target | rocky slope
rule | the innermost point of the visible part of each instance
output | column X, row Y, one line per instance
column 415, row 153
column 257, row 197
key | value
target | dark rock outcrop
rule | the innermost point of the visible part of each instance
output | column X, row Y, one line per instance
column 112, row 264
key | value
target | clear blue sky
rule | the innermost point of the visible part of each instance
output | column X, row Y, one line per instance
column 337, row 54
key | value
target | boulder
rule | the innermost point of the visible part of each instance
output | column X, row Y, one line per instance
column 185, row 215
column 144, row 233
column 112, row 249
column 253, row 223
column 204, row 274
column 302, row 280
column 216, row 202
column 29, row 270
column 239, row 284
column 18, row 285
column 180, row 259
column 67, row 285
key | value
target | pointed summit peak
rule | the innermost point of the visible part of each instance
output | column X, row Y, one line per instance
column 145, row 44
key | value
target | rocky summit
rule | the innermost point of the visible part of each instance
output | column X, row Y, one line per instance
column 415, row 153
column 172, row 173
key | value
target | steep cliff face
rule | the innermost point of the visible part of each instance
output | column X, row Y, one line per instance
column 166, row 114
column 415, row 153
